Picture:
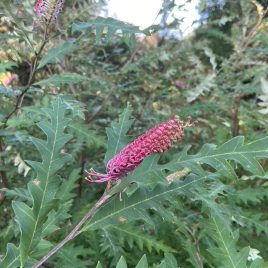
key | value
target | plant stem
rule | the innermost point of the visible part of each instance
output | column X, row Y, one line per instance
column 105, row 197
column 30, row 80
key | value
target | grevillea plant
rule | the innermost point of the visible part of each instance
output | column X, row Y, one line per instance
column 172, row 195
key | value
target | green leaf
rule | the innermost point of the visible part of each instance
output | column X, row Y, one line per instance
column 55, row 54
column 225, row 253
column 137, row 239
column 60, row 79
column 44, row 188
column 109, row 27
column 99, row 265
column 258, row 263
column 219, row 157
column 116, row 134
column 122, row 263
column 85, row 134
column 142, row 263
column 170, row 261
column 136, row 206
column 12, row 258
column 7, row 66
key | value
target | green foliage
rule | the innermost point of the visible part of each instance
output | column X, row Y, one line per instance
column 61, row 79
column 225, row 253
column 54, row 55
column 201, row 204
column 110, row 27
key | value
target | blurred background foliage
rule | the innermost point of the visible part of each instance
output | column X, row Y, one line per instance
column 217, row 75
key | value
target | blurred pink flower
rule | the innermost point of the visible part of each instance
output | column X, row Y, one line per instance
column 179, row 84
column 49, row 9
column 156, row 140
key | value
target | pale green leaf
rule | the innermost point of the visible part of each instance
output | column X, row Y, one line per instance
column 122, row 263
column 142, row 263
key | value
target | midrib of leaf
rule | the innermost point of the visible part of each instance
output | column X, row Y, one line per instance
column 225, row 246
column 140, row 202
column 47, row 178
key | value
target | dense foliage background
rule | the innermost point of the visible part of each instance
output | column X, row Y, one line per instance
column 74, row 94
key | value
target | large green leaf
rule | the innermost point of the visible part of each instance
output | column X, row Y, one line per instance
column 246, row 155
column 55, row 54
column 136, row 206
column 44, row 188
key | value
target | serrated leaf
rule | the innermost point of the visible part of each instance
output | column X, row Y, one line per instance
column 55, row 54
column 218, row 157
column 61, row 79
column 136, row 206
column 109, row 27
column 226, row 252
column 116, row 134
column 44, row 188
column 140, row 239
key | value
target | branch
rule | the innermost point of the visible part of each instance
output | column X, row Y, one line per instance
column 30, row 80
column 105, row 197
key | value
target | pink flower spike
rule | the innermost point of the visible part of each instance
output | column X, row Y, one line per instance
column 48, row 9
column 156, row 140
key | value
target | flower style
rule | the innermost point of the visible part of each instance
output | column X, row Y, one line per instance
column 48, row 9
column 156, row 140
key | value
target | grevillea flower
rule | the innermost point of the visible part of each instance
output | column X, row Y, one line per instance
column 48, row 9
column 156, row 140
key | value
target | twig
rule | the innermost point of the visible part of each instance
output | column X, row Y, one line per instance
column 30, row 80
column 196, row 243
column 105, row 197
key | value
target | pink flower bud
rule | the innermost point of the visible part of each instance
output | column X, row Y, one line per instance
column 156, row 140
